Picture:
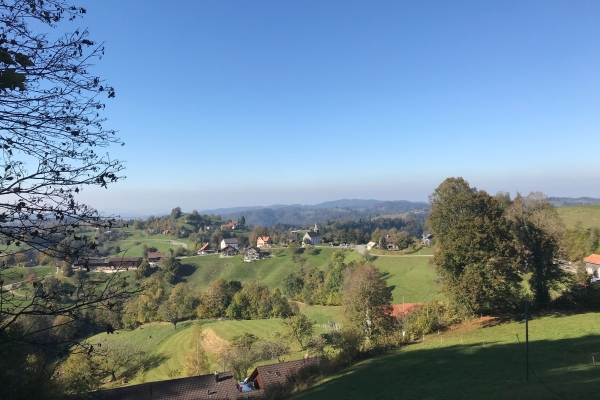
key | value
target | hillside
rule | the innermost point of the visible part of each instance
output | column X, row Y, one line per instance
column 336, row 210
column 570, row 201
column 481, row 359
column 589, row 216
column 411, row 278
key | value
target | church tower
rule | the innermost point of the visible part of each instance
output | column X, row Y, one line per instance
column 316, row 228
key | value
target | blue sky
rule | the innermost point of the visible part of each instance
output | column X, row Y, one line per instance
column 261, row 102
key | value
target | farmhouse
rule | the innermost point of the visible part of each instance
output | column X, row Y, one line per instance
column 253, row 253
column 390, row 243
column 313, row 237
column 205, row 249
column 266, row 376
column 229, row 225
column 229, row 251
column 263, row 241
column 233, row 242
column 154, row 257
column 592, row 265
column 125, row 262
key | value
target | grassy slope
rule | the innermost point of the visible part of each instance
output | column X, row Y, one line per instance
column 270, row 271
column 561, row 351
column 168, row 346
column 589, row 216
column 410, row 277
column 13, row 274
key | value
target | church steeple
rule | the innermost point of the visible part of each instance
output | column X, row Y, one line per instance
column 316, row 228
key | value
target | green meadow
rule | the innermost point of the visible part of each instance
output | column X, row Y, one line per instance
column 588, row 216
column 481, row 359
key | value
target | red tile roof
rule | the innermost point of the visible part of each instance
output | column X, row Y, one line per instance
column 593, row 259
column 206, row 246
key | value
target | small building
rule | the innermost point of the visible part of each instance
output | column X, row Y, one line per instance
column 154, row 257
column 252, row 254
column 229, row 225
column 229, row 251
column 313, row 237
column 592, row 265
column 390, row 242
column 371, row 245
column 266, row 376
column 205, row 249
column 233, row 242
column 263, row 241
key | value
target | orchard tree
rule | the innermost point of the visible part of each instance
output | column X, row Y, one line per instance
column 298, row 328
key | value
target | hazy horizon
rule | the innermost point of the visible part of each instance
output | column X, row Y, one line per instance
column 258, row 103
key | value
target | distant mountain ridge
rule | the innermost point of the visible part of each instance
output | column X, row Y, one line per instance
column 345, row 209
column 326, row 204
column 570, row 201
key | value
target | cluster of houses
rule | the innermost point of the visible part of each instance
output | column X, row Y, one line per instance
column 220, row 385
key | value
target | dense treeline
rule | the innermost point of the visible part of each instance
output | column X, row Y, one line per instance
column 485, row 244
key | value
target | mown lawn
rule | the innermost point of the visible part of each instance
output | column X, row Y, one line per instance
column 479, row 362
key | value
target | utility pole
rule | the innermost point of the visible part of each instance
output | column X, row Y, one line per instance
column 427, row 302
column 527, row 338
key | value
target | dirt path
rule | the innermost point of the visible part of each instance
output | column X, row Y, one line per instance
column 213, row 343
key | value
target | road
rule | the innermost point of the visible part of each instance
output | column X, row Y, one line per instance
column 361, row 248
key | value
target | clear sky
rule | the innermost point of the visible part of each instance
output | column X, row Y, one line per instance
column 234, row 103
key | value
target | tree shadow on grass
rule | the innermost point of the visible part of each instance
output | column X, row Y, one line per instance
column 558, row 369
column 184, row 271
column 147, row 363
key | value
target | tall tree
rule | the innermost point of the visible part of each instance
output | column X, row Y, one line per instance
column 53, row 139
column 367, row 301
column 196, row 359
column 181, row 304
column 475, row 257
column 538, row 231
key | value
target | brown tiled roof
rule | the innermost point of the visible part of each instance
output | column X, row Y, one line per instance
column 229, row 248
column 156, row 254
column 197, row 387
column 274, row 374
column 594, row 259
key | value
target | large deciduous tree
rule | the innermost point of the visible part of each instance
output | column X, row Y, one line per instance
column 367, row 301
column 53, row 140
column 538, row 232
column 475, row 254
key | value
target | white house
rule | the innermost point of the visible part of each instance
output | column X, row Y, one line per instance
column 233, row 242
column 592, row 265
